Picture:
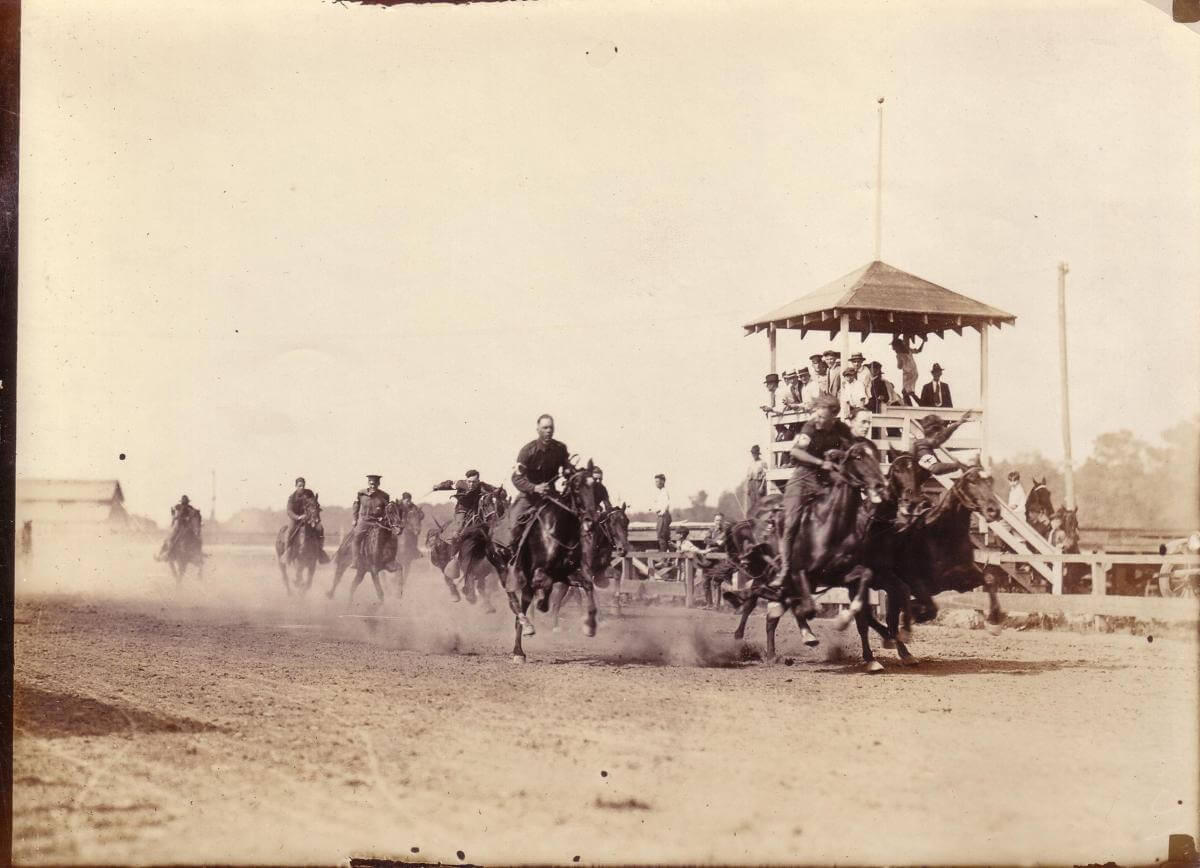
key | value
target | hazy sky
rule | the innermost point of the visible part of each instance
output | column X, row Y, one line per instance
column 291, row 237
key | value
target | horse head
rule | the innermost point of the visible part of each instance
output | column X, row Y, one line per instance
column 753, row 555
column 859, row 467
column 579, row 491
column 493, row 505
column 615, row 525
column 312, row 511
column 904, row 488
column 975, row 490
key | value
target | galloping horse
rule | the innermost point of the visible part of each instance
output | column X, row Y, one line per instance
column 305, row 548
column 371, row 551
column 186, row 549
column 1039, row 507
column 407, row 549
column 612, row 540
column 478, row 553
column 934, row 546
column 558, row 542
column 830, row 545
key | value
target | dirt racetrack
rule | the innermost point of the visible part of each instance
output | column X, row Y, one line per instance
column 223, row 723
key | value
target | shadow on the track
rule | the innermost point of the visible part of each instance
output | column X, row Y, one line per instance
column 931, row 667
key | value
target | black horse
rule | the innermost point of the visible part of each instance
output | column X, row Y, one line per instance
column 829, row 548
column 303, row 550
column 186, row 548
column 612, row 540
column 372, row 550
column 478, row 554
column 556, row 545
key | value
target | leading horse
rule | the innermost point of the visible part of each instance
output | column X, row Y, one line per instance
column 612, row 540
column 303, row 549
column 556, row 543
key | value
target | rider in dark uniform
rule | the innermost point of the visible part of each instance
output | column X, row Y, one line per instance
column 599, row 492
column 822, row 433
column 296, row 503
column 467, row 494
column 538, row 465
column 410, row 514
column 369, row 505
column 924, row 451
column 182, row 514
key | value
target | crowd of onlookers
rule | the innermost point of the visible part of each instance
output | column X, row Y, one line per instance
column 857, row 383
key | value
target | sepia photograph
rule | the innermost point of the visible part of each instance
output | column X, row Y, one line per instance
column 683, row 432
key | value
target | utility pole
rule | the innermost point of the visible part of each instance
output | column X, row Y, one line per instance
column 1068, row 467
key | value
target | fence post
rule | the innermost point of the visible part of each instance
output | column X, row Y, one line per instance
column 1056, row 583
column 689, row 574
column 1099, row 579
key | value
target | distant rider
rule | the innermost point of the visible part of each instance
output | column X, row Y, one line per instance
column 296, row 504
column 468, row 492
column 182, row 515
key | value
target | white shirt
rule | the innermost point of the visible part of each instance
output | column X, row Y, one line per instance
column 662, row 501
column 1016, row 498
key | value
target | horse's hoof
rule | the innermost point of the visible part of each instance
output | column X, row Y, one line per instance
column 910, row 661
column 454, row 597
column 889, row 644
column 843, row 619
column 738, row 634
column 518, row 658
column 774, row 610
column 904, row 635
column 526, row 626
column 808, row 638
column 874, row 666
column 994, row 629
column 589, row 629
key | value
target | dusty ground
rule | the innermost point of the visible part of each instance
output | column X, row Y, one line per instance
column 223, row 723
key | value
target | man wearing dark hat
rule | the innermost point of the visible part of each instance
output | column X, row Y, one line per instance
column 936, row 431
column 876, row 390
column 182, row 515
column 936, row 393
column 821, row 434
column 411, row 514
column 467, row 493
column 756, row 480
column 538, row 464
column 771, row 381
column 297, row 503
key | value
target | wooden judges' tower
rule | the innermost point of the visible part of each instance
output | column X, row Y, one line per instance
column 881, row 299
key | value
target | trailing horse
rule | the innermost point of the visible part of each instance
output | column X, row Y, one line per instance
column 556, row 545
column 186, row 549
column 1039, row 507
column 478, row 554
column 304, row 550
column 369, row 550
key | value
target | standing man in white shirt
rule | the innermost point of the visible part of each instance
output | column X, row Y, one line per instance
column 662, row 509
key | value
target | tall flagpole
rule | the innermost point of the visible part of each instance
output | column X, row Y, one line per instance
column 879, row 189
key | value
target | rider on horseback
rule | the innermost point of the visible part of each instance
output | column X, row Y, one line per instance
column 296, row 503
column 538, row 464
column 937, row 431
column 183, row 514
column 467, row 494
column 823, row 433
column 599, row 492
column 368, row 508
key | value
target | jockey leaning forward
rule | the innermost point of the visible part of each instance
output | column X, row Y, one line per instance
column 821, row 434
column 296, row 504
column 467, row 494
column 538, row 465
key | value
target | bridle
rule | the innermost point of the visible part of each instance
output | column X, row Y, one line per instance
column 957, row 494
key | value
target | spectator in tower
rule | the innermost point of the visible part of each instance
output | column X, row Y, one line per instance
column 904, row 349
column 879, row 391
column 936, row 393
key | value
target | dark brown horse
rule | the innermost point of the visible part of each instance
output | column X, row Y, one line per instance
column 478, row 554
column 556, row 545
column 304, row 550
column 612, row 540
column 1039, row 507
column 934, row 551
column 829, row 548
column 370, row 550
